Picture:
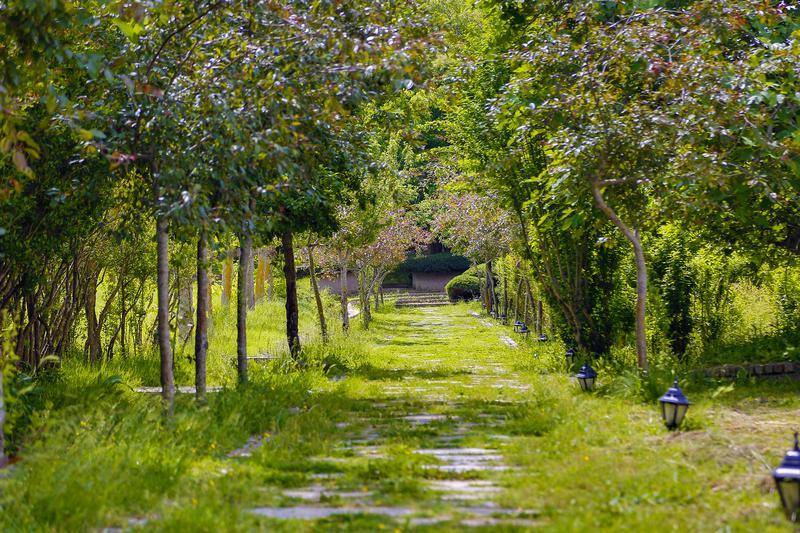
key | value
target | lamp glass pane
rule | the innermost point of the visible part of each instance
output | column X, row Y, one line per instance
column 668, row 410
column 680, row 412
column 790, row 495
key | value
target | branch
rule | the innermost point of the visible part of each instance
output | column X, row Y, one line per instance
column 619, row 181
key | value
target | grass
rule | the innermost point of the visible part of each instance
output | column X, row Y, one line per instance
column 97, row 455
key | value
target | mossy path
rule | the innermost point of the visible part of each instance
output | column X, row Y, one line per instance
column 424, row 443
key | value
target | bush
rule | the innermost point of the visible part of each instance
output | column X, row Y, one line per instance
column 464, row 287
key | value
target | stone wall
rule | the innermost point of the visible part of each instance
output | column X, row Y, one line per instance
column 766, row 369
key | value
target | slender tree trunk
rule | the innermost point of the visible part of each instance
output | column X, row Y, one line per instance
column 343, row 293
column 641, row 274
column 186, row 313
column 490, row 284
column 323, row 327
column 245, row 247
column 290, row 273
column 164, row 345
column 539, row 317
column 92, row 326
column 505, row 290
column 123, row 319
column 201, row 328
column 227, row 279
column 363, row 297
column 516, row 300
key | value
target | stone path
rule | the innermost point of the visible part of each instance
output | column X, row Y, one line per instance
column 461, row 460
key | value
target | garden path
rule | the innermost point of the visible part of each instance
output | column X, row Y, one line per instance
column 424, row 445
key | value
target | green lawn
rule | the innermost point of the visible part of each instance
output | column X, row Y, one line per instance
column 99, row 455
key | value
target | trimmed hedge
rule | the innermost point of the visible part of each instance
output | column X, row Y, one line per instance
column 464, row 287
column 443, row 262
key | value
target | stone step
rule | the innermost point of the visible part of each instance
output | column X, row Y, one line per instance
column 423, row 304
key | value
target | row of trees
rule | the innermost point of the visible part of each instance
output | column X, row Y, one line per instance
column 579, row 133
column 210, row 126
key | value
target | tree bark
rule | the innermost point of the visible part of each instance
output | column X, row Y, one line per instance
column 490, row 285
column 201, row 328
column 92, row 326
column 185, row 309
column 245, row 247
column 641, row 274
column 164, row 345
column 343, row 293
column 290, row 273
column 323, row 327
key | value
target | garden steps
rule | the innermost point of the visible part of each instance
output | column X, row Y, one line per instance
column 422, row 299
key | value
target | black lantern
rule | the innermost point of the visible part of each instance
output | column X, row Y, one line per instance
column 674, row 406
column 542, row 338
column 586, row 377
column 517, row 325
column 787, row 479
column 503, row 319
column 570, row 356
column 523, row 329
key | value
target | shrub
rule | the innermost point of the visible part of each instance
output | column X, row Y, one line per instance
column 464, row 287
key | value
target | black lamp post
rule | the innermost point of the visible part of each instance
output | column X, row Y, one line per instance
column 503, row 319
column 586, row 377
column 673, row 406
column 570, row 356
column 787, row 480
column 523, row 330
column 517, row 324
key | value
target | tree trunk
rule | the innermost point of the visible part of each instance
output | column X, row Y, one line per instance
column 201, row 328
column 363, row 298
column 123, row 318
column 323, row 327
column 92, row 326
column 227, row 279
column 343, row 293
column 505, row 291
column 490, row 285
column 185, row 309
column 641, row 275
column 164, row 345
column 290, row 273
column 245, row 247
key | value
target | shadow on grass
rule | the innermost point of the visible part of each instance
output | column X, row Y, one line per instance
column 371, row 372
